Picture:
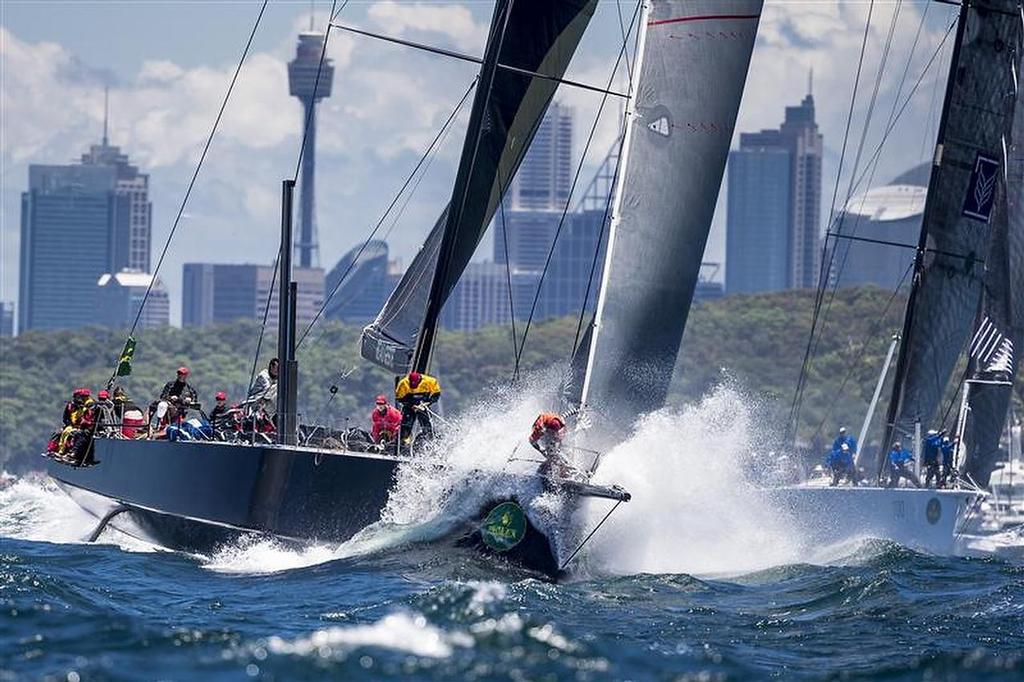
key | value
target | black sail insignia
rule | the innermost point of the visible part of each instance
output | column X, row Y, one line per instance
column 537, row 36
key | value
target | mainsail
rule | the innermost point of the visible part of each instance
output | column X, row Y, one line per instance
column 999, row 336
column 963, row 207
column 691, row 70
column 532, row 36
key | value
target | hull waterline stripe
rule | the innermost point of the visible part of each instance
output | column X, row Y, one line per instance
column 706, row 17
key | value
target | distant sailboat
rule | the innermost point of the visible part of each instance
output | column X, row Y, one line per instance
column 962, row 266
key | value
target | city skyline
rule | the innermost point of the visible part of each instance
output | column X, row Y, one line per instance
column 370, row 139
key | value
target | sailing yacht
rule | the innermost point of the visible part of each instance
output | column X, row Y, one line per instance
column 198, row 495
column 966, row 278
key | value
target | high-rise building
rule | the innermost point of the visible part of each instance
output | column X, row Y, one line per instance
column 874, row 222
column 75, row 226
column 530, row 234
column 755, row 205
column 78, row 222
column 544, row 178
column 215, row 293
column 120, row 296
column 310, row 76
column 6, row 318
column 481, row 298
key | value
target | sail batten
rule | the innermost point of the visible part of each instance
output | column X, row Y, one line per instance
column 534, row 36
column 964, row 213
column 685, row 104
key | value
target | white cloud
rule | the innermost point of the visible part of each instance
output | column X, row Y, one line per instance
column 454, row 22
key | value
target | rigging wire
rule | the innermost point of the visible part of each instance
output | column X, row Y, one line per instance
column 335, row 10
column 848, row 245
column 794, row 410
column 508, row 265
column 572, row 188
column 195, row 174
column 423, row 159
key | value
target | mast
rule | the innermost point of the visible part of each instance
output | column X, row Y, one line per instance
column 922, row 242
column 287, row 378
column 435, row 299
column 620, row 182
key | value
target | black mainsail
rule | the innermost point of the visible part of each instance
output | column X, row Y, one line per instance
column 962, row 209
column 531, row 37
column 693, row 63
column 999, row 335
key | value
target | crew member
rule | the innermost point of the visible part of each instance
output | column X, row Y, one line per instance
column 103, row 413
column 416, row 393
column 265, row 386
column 930, row 458
column 899, row 466
column 219, row 418
column 840, row 461
column 844, row 439
column 78, row 418
column 180, row 391
column 546, row 438
column 947, row 448
column 386, row 422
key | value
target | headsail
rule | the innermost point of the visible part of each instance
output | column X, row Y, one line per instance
column 999, row 337
column 693, row 65
column 538, row 36
column 965, row 205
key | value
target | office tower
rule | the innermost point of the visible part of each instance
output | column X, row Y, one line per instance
column 310, row 76
column 6, row 318
column 877, row 219
column 120, row 295
column 75, row 226
column 545, row 175
column 775, row 182
column 215, row 293
column 366, row 284
column 130, row 183
column 530, row 235
column 481, row 298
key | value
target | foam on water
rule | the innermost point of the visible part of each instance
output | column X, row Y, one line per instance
column 695, row 508
column 405, row 632
column 34, row 508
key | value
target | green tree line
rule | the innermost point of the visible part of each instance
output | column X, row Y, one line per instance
column 755, row 342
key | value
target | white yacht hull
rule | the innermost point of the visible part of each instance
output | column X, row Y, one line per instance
column 922, row 519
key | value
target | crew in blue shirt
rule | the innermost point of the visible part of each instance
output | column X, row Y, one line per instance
column 840, row 461
column 844, row 439
column 930, row 457
column 899, row 466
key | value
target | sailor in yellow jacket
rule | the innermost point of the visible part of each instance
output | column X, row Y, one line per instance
column 415, row 393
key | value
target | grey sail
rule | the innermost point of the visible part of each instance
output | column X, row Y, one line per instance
column 692, row 69
column 1000, row 331
column 536, row 36
column 965, row 200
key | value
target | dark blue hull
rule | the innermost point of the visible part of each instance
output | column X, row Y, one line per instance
column 195, row 496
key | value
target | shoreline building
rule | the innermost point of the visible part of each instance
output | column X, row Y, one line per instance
column 120, row 295
column 215, row 293
column 6, row 318
column 773, row 221
column 888, row 215
column 78, row 222
column 310, row 77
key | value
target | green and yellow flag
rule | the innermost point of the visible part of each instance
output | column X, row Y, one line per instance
column 124, row 365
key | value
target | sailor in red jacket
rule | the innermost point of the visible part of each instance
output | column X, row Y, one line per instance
column 546, row 438
column 386, row 422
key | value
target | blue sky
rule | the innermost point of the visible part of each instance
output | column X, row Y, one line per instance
column 168, row 64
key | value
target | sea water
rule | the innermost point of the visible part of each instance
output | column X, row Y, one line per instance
column 696, row 578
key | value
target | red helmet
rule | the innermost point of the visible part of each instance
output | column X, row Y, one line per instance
column 414, row 379
column 183, row 370
column 554, row 422
column 221, row 395
column 103, row 395
column 381, row 400
column 81, row 393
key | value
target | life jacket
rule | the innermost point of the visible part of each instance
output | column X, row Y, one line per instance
column 390, row 421
column 547, row 422
column 428, row 390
